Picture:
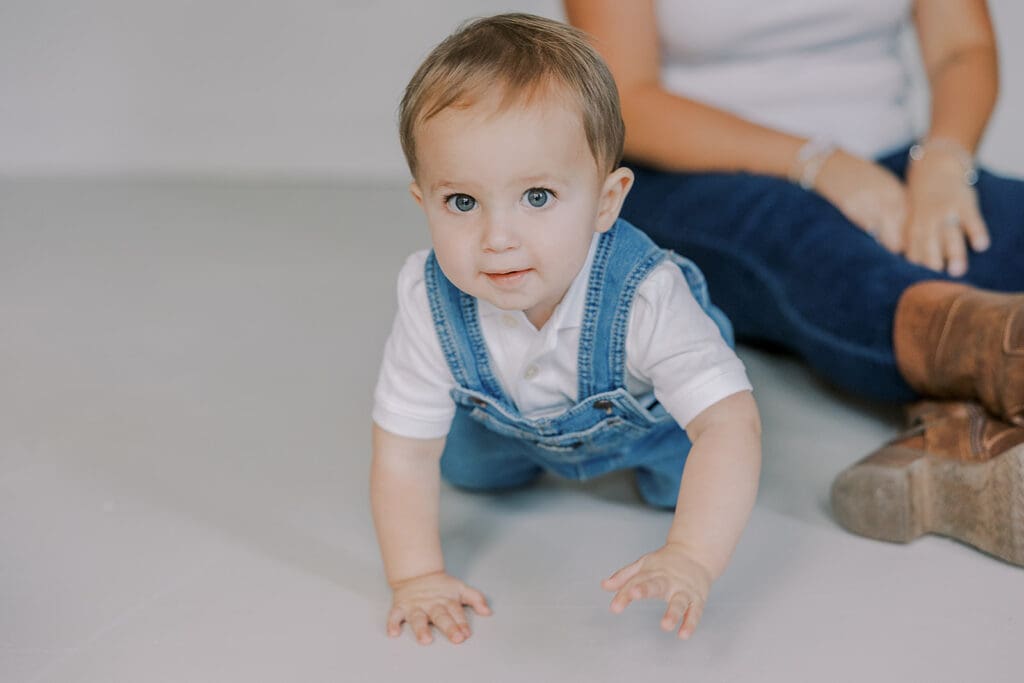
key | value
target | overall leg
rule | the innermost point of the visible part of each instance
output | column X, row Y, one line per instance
column 478, row 459
column 663, row 454
column 660, row 460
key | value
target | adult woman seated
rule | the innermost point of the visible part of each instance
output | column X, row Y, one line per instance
column 773, row 144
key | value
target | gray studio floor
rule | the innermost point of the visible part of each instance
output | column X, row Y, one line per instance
column 185, row 375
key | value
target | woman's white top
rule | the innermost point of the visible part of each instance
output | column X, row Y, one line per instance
column 817, row 68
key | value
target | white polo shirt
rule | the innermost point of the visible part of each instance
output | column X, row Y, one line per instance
column 674, row 354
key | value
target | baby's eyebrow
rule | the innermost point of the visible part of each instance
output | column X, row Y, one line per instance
column 434, row 187
column 525, row 181
column 544, row 180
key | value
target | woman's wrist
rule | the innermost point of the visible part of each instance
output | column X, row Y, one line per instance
column 949, row 148
column 810, row 159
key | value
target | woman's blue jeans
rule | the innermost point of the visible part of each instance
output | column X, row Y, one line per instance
column 789, row 269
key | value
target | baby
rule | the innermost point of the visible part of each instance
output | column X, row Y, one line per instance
column 543, row 333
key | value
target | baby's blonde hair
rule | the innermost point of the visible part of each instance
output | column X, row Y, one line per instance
column 524, row 55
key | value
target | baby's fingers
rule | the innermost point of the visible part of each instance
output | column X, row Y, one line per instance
column 638, row 588
column 650, row 587
column 459, row 616
column 443, row 620
column 420, row 626
column 692, row 619
column 676, row 610
column 395, row 618
column 619, row 578
column 476, row 600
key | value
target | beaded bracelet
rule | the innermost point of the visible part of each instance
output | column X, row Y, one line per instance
column 810, row 160
column 965, row 158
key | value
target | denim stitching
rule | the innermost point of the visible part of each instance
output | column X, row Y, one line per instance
column 620, row 323
column 478, row 350
column 442, row 322
column 591, row 307
column 582, row 439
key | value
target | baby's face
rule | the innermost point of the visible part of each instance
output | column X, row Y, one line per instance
column 513, row 199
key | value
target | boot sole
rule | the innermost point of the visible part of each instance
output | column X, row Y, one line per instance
column 898, row 494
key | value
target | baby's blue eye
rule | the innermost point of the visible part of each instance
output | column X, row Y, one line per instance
column 537, row 197
column 460, row 202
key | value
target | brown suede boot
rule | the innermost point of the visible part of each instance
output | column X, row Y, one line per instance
column 956, row 471
column 956, row 341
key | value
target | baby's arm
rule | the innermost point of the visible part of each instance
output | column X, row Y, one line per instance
column 716, row 496
column 405, row 485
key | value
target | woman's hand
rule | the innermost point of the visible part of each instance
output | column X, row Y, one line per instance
column 943, row 214
column 869, row 195
column 436, row 599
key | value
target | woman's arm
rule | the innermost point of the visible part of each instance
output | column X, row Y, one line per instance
column 959, row 52
column 663, row 129
column 674, row 133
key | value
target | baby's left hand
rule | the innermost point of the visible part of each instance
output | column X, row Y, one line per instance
column 670, row 574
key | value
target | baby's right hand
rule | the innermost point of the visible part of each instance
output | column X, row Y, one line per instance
column 436, row 599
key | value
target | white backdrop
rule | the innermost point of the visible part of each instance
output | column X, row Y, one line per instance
column 262, row 87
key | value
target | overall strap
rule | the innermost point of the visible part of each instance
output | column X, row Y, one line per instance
column 623, row 258
column 458, row 329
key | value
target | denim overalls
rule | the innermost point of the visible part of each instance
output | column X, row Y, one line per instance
column 492, row 446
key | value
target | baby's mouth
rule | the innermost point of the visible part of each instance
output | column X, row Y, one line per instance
column 507, row 277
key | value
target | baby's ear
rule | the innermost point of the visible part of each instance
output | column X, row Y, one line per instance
column 613, row 193
column 416, row 193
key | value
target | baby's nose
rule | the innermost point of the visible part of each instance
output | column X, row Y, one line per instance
column 499, row 234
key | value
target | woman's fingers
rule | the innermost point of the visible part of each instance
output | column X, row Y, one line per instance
column 975, row 229
column 954, row 248
column 890, row 237
column 890, row 226
column 925, row 244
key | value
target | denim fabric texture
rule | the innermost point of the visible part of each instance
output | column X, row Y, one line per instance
column 491, row 446
column 789, row 269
